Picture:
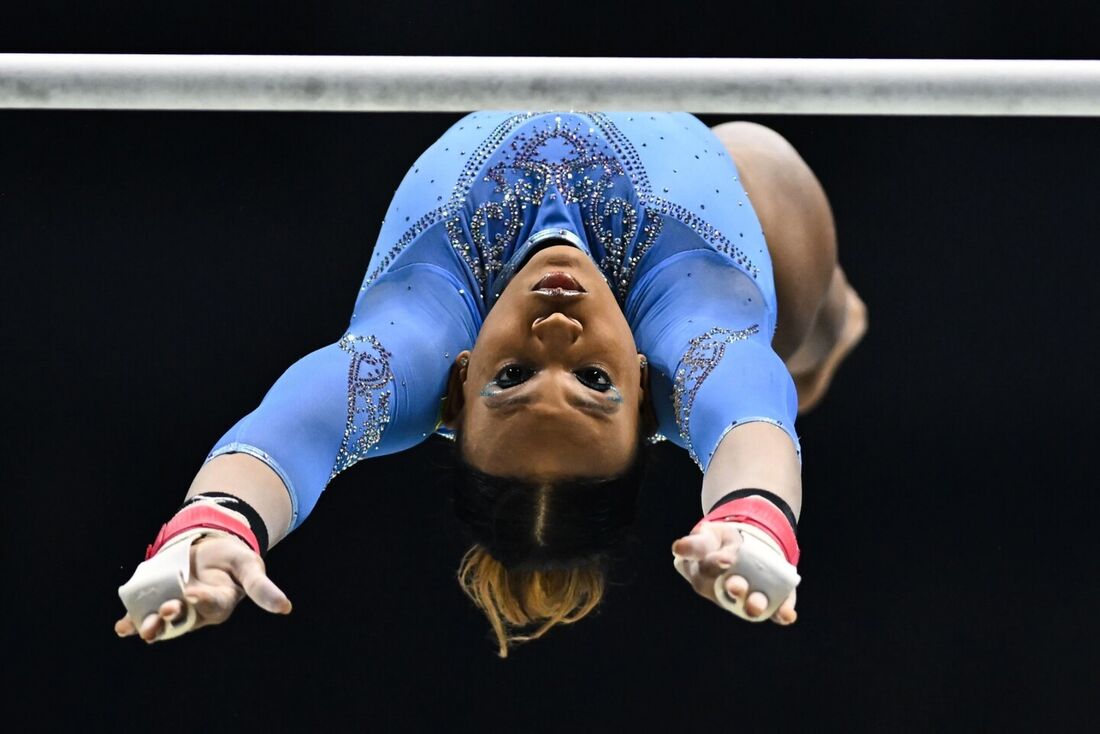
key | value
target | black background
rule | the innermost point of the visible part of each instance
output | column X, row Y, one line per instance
column 160, row 270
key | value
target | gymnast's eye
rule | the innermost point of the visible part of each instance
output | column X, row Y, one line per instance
column 594, row 378
column 512, row 375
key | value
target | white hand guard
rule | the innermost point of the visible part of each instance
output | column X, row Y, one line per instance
column 163, row 578
column 762, row 563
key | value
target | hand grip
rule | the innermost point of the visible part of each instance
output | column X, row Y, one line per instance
column 163, row 578
column 766, row 570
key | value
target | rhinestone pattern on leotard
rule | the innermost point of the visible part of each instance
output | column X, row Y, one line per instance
column 593, row 173
column 703, row 354
column 369, row 376
column 453, row 208
column 524, row 177
column 708, row 232
column 654, row 205
column 621, row 274
column 568, row 160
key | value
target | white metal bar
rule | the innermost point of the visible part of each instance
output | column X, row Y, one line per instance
column 442, row 83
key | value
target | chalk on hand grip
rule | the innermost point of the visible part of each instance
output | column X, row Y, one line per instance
column 761, row 562
column 163, row 578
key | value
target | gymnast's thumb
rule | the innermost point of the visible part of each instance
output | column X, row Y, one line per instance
column 263, row 590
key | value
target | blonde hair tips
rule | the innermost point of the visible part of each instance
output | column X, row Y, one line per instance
column 516, row 599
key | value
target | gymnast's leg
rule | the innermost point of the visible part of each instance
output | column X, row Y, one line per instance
column 821, row 317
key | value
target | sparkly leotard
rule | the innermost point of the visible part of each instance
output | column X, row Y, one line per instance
column 653, row 198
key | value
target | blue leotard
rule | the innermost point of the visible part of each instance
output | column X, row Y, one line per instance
column 653, row 198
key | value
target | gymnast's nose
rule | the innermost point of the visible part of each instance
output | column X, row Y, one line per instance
column 556, row 330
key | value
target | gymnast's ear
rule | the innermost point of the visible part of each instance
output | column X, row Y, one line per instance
column 454, row 401
column 648, row 416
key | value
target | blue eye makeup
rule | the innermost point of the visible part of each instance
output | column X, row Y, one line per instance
column 508, row 377
column 614, row 395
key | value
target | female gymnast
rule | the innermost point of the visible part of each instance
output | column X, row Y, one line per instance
column 553, row 291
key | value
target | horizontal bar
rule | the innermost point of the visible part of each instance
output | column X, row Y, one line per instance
column 453, row 84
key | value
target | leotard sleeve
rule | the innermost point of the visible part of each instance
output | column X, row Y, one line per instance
column 706, row 329
column 377, row 390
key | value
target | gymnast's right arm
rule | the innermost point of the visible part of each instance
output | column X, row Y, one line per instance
column 375, row 391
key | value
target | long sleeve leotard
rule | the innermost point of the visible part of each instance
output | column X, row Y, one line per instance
column 656, row 202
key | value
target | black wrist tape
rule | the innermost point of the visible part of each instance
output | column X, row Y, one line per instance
column 769, row 496
column 236, row 504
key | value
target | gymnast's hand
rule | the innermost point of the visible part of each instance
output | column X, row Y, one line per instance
column 706, row 554
column 223, row 571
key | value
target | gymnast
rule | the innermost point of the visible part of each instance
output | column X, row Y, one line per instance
column 555, row 292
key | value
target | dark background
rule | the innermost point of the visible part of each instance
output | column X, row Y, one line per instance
column 160, row 270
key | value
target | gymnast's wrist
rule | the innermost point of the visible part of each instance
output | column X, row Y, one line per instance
column 762, row 510
column 218, row 513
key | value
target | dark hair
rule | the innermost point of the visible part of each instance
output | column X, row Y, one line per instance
column 541, row 525
column 541, row 550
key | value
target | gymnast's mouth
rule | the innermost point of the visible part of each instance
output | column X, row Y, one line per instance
column 559, row 284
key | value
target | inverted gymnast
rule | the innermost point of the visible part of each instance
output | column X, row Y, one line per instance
column 554, row 291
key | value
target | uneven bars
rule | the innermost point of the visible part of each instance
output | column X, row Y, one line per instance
column 462, row 83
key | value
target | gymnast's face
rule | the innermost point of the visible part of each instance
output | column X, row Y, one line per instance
column 554, row 384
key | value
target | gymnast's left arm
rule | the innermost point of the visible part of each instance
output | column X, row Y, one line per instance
column 721, row 392
column 754, row 455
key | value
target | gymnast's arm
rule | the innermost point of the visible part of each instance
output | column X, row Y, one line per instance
column 373, row 392
column 759, row 455
column 753, row 455
column 721, row 392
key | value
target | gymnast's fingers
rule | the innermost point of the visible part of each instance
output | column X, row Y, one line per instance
column 699, row 543
column 717, row 562
column 213, row 602
column 756, row 603
column 124, row 627
column 737, row 586
column 786, row 613
column 170, row 610
column 150, row 627
column 249, row 570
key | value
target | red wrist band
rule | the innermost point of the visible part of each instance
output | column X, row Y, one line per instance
column 202, row 516
column 759, row 513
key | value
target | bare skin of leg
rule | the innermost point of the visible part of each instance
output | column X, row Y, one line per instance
column 821, row 317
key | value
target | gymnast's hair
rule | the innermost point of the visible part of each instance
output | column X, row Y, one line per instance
column 541, row 551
